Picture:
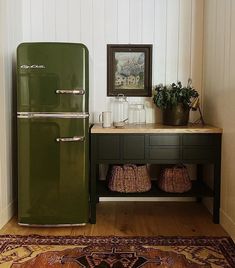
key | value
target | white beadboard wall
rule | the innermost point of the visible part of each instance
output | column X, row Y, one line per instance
column 1, row 107
column 219, row 94
column 10, row 31
column 174, row 27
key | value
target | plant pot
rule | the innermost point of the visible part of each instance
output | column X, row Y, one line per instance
column 177, row 115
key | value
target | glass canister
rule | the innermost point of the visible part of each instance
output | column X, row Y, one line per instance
column 137, row 114
column 132, row 114
column 140, row 114
column 120, row 109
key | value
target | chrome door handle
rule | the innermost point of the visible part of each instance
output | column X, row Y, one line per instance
column 70, row 91
column 30, row 115
column 75, row 138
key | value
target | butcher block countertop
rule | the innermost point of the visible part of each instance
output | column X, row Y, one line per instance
column 156, row 128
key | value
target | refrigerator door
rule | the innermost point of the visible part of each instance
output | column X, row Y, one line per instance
column 53, row 170
column 52, row 77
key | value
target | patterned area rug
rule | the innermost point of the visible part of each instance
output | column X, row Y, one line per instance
column 116, row 252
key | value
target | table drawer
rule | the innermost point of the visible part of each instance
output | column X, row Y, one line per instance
column 199, row 139
column 158, row 153
column 199, row 153
column 108, row 147
column 133, row 147
column 164, row 140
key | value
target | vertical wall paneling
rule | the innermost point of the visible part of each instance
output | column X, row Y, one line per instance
column 17, row 27
column 49, row 20
column 184, row 64
column 36, row 18
column 74, row 20
column 3, row 121
column 206, row 39
column 136, row 21
column 10, row 52
column 230, row 195
column 227, row 43
column 87, row 38
column 148, row 26
column 99, row 56
column 7, row 106
column 111, row 19
column 26, row 19
column 87, row 23
column 159, row 49
column 172, row 45
column 220, row 45
column 232, row 53
column 15, row 40
column 10, row 36
column 209, row 47
column 124, row 21
column 2, row 106
column 197, row 44
column 111, row 37
column 214, row 23
column 61, row 20
column 227, row 85
column 219, row 94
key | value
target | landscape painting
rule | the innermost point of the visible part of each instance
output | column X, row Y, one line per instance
column 129, row 70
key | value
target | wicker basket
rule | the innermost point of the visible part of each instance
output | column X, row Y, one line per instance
column 175, row 180
column 129, row 179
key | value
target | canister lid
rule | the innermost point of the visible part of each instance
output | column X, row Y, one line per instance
column 120, row 97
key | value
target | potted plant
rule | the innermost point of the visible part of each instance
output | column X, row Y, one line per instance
column 175, row 101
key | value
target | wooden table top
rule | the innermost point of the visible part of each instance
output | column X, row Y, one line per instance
column 156, row 128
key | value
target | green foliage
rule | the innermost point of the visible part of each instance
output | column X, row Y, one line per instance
column 171, row 95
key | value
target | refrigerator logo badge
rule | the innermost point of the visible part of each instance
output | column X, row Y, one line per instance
column 34, row 66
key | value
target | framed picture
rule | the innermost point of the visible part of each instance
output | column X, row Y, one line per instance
column 129, row 70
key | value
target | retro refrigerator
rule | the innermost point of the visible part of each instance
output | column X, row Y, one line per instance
column 52, row 130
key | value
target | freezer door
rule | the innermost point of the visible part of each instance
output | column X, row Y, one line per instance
column 52, row 77
column 53, row 171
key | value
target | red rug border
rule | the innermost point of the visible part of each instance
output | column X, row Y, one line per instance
column 160, row 240
column 224, row 243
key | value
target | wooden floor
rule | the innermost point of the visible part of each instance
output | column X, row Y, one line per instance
column 136, row 218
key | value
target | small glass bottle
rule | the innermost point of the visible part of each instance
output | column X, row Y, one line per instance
column 140, row 111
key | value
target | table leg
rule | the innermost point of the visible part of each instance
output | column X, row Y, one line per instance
column 216, row 206
column 93, row 195
column 93, row 174
column 199, row 177
column 217, row 183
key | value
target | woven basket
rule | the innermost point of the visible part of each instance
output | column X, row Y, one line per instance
column 175, row 180
column 129, row 179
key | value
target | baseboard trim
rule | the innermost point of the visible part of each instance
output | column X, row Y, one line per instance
column 7, row 213
column 227, row 223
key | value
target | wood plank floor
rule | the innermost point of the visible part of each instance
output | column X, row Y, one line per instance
column 136, row 218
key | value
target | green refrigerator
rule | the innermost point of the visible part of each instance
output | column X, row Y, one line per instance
column 53, row 134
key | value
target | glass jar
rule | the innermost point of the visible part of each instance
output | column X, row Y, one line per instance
column 136, row 114
column 132, row 114
column 120, row 109
column 140, row 114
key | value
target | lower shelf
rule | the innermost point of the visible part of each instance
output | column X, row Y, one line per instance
column 198, row 189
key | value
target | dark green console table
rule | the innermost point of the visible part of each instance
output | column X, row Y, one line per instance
column 156, row 144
